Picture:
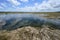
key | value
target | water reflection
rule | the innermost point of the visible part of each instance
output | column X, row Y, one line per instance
column 14, row 21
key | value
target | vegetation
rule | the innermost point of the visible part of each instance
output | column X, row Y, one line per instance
column 30, row 33
column 48, row 31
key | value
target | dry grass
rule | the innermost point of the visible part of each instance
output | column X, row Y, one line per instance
column 31, row 33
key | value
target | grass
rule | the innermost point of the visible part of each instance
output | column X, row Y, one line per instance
column 30, row 33
column 50, row 14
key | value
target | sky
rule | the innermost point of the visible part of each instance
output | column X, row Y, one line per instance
column 30, row 5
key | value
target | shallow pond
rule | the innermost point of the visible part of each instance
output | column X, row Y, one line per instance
column 13, row 21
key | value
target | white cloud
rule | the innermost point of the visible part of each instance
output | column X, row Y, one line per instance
column 50, row 5
column 36, row 4
column 24, row 0
column 15, row 2
column 1, row 7
column 3, row 4
column 44, row 6
column 54, row 3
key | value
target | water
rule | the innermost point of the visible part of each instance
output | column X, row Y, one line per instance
column 14, row 21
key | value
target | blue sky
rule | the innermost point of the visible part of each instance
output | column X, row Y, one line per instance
column 30, row 5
